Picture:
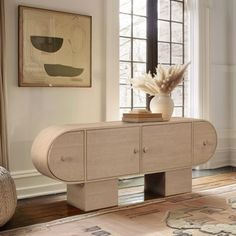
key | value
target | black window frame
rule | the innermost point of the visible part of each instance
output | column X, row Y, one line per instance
column 153, row 42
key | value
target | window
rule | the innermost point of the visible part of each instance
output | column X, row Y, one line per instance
column 151, row 32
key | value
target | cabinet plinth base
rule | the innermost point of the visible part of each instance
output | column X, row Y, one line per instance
column 94, row 195
column 168, row 183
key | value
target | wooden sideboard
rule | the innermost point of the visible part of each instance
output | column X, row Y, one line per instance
column 90, row 158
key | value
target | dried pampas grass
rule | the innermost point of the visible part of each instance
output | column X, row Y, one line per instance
column 162, row 82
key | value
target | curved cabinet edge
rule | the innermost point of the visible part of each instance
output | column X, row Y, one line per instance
column 204, row 141
column 48, row 144
column 41, row 149
column 66, row 157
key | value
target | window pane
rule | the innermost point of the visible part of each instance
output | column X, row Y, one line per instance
column 140, row 29
column 163, row 31
column 125, row 25
column 177, row 54
column 125, row 72
column 177, row 11
column 139, row 7
column 139, row 98
column 139, row 69
column 125, row 49
column 125, row 6
column 163, row 53
column 177, row 32
column 166, row 66
column 139, row 50
column 124, row 111
column 164, row 9
column 133, row 26
column 177, row 112
column 125, row 96
column 177, row 96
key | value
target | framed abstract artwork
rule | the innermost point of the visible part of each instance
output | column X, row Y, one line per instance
column 54, row 48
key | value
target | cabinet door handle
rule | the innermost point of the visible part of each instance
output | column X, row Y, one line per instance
column 136, row 151
column 66, row 158
column 204, row 143
column 145, row 149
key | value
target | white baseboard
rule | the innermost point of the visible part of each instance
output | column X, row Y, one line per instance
column 233, row 148
column 233, row 157
column 221, row 158
column 30, row 183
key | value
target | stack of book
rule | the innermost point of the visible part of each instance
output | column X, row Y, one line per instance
column 142, row 117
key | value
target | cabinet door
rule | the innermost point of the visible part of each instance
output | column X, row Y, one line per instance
column 66, row 157
column 205, row 140
column 112, row 152
column 166, row 147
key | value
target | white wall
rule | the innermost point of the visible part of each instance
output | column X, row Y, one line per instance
column 232, row 77
column 219, row 80
column 32, row 109
column 216, row 80
column 219, row 87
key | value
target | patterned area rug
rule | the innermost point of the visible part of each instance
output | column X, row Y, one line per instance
column 207, row 212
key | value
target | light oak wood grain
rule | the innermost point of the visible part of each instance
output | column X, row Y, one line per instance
column 205, row 142
column 66, row 157
column 166, row 147
column 112, row 152
column 92, row 196
column 42, row 143
column 178, row 181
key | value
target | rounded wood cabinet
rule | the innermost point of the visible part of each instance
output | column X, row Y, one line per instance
column 204, row 142
column 90, row 158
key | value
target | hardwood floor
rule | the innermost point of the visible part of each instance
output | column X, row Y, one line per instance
column 47, row 208
column 39, row 210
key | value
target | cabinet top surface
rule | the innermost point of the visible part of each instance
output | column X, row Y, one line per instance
column 117, row 124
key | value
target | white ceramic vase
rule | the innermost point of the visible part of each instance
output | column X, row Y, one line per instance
column 162, row 103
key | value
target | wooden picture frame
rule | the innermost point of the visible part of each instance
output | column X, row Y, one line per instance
column 54, row 48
